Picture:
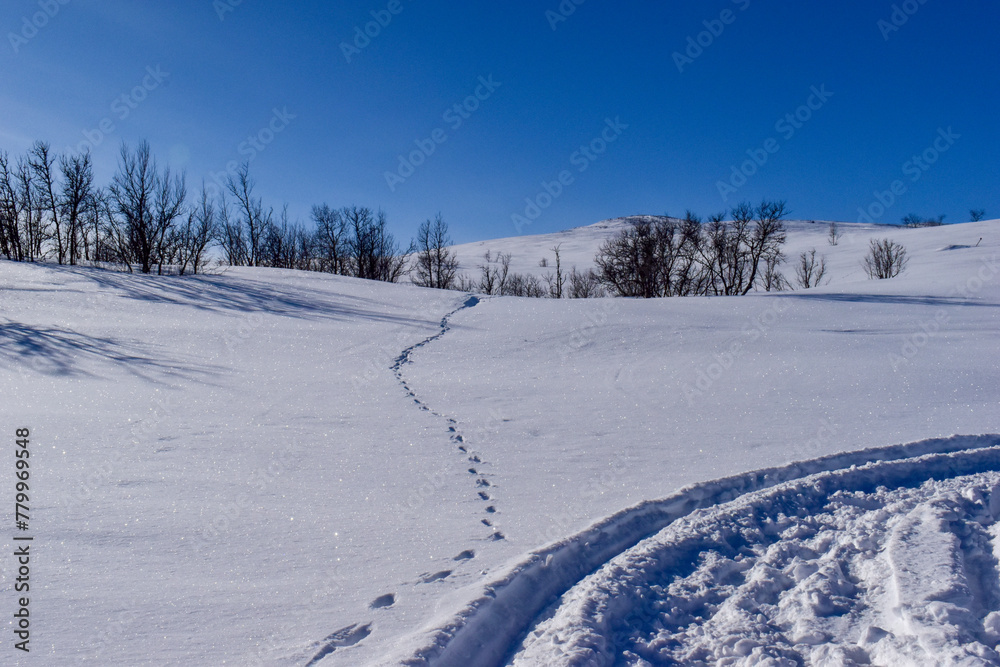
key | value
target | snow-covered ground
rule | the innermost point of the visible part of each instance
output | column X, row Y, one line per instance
column 267, row 467
column 892, row 563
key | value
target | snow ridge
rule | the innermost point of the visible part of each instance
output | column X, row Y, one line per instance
column 487, row 630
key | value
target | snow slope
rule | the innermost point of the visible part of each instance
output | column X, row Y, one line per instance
column 267, row 467
column 579, row 246
column 223, row 465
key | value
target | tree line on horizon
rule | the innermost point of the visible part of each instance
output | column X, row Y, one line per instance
column 144, row 220
column 51, row 208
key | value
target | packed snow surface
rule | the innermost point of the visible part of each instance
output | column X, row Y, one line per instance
column 887, row 563
column 265, row 467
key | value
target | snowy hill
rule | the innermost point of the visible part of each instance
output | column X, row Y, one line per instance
column 579, row 246
column 271, row 467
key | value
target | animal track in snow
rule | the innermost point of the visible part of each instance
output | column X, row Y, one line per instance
column 383, row 601
column 454, row 434
column 437, row 576
column 342, row 638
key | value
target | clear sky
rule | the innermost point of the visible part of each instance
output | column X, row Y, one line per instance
column 325, row 112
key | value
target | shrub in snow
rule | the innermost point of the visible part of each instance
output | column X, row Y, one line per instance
column 885, row 259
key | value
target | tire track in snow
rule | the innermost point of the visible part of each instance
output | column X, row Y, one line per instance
column 483, row 486
column 488, row 629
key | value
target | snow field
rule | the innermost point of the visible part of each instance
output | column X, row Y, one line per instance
column 272, row 468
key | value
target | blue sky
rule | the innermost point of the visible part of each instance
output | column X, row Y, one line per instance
column 211, row 82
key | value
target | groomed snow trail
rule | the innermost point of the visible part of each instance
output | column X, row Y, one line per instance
column 827, row 561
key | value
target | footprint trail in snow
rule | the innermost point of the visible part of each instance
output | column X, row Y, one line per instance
column 357, row 632
column 483, row 486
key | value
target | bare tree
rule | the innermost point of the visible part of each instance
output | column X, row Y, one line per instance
column 556, row 281
column 35, row 228
column 77, row 196
column 331, row 244
column 43, row 167
column 197, row 234
column 168, row 207
column 11, row 241
column 977, row 214
column 833, row 238
column 766, row 240
column 688, row 274
column 639, row 260
column 494, row 273
column 464, row 283
column 525, row 285
column 728, row 251
column 668, row 257
column 250, row 219
column 436, row 265
column 146, row 205
column 885, row 259
column 372, row 251
column 133, row 190
column 101, row 247
column 585, row 284
column 287, row 245
column 232, row 235
column 743, row 254
column 773, row 279
column 914, row 220
column 809, row 272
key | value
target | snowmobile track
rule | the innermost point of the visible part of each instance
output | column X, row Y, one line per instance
column 488, row 630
